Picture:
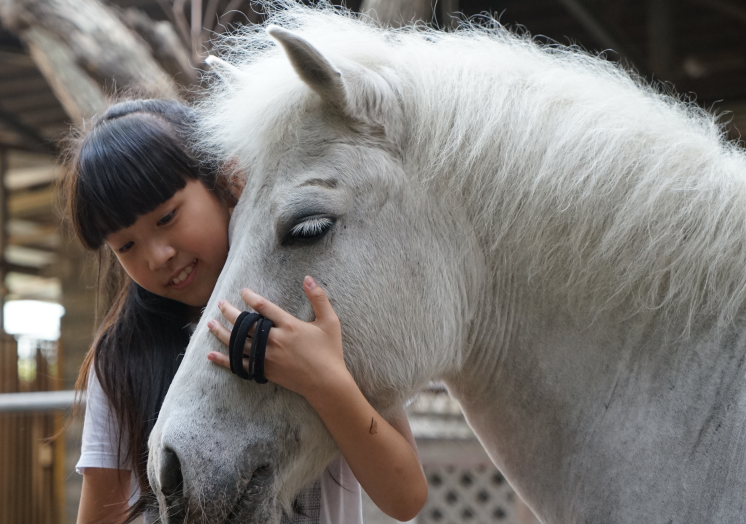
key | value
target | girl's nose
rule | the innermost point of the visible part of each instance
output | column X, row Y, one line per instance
column 160, row 254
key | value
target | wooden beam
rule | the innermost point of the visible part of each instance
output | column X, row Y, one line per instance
column 397, row 13
column 26, row 134
column 24, row 178
column 733, row 9
column 74, row 42
column 196, row 31
column 728, row 85
column 604, row 35
column 6, row 268
column 24, row 256
column 79, row 95
column 31, row 203
column 31, row 83
column 46, row 241
column 17, row 59
column 661, row 36
column 27, row 233
column 448, row 14
column 23, row 102
column 9, row 140
column 165, row 44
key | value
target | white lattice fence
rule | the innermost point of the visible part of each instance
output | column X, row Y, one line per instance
column 464, row 487
column 474, row 495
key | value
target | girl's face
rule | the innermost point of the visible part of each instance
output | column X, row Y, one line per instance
column 178, row 250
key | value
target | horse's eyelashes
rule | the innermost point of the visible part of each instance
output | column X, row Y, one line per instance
column 312, row 227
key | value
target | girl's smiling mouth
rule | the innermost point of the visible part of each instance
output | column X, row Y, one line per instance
column 184, row 278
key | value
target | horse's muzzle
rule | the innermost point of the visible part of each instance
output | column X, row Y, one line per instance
column 211, row 492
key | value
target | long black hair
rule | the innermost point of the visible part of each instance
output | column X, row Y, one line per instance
column 129, row 161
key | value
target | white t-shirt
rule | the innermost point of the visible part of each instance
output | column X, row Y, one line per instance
column 341, row 498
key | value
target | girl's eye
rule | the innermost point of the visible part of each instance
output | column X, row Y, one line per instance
column 312, row 227
column 166, row 219
column 125, row 247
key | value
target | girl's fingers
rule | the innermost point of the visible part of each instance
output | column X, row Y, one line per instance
column 229, row 312
column 223, row 360
column 224, row 335
column 219, row 358
column 265, row 308
column 220, row 331
column 319, row 301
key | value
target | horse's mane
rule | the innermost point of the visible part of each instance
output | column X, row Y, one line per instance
column 599, row 186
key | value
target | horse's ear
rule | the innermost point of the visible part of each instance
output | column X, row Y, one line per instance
column 356, row 90
column 313, row 67
column 223, row 69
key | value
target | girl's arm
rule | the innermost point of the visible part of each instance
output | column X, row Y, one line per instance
column 379, row 454
column 307, row 357
column 104, row 496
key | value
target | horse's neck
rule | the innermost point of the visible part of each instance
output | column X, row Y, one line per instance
column 607, row 421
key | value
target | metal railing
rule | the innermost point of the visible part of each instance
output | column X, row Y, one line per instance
column 37, row 401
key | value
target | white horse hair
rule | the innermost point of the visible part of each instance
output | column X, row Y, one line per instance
column 559, row 241
column 603, row 156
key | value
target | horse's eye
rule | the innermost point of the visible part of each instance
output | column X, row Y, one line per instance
column 312, row 227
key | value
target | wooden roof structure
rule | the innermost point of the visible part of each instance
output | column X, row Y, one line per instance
column 699, row 46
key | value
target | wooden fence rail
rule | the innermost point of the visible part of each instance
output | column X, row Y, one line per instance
column 31, row 467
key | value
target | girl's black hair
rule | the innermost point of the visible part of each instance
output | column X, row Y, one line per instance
column 133, row 158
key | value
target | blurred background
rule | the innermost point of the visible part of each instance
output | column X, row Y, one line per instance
column 61, row 59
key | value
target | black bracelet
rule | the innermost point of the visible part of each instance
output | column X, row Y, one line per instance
column 259, row 349
column 239, row 334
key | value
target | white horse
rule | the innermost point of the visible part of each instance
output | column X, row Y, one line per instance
column 560, row 243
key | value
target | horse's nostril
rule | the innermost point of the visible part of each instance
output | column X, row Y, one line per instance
column 262, row 474
column 171, row 480
column 171, row 483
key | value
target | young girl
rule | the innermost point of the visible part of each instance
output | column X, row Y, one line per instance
column 135, row 189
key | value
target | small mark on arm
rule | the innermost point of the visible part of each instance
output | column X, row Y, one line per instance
column 373, row 426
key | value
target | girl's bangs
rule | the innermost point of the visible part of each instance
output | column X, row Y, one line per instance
column 128, row 168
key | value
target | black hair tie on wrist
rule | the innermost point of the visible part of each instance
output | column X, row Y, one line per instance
column 239, row 334
column 258, row 349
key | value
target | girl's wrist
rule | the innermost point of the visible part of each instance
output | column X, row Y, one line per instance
column 330, row 391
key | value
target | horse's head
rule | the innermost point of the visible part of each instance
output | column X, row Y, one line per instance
column 322, row 140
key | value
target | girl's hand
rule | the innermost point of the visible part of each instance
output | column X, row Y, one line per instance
column 304, row 357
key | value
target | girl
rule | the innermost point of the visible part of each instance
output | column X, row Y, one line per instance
column 136, row 190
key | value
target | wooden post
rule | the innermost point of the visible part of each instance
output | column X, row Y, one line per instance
column 3, row 235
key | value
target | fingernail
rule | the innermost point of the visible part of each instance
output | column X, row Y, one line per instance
column 210, row 356
column 248, row 292
column 310, row 282
column 221, row 302
column 211, row 324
